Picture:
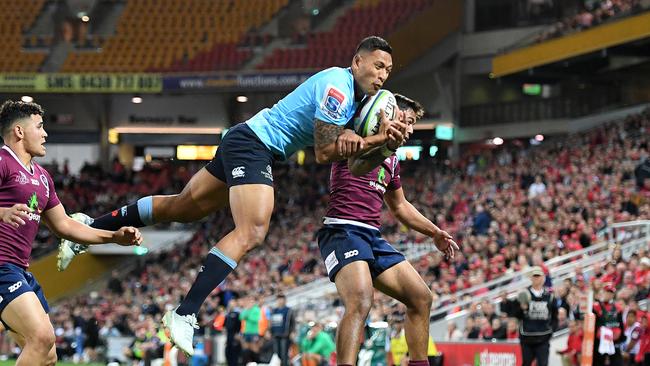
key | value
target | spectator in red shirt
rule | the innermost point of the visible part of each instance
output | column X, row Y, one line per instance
column 571, row 354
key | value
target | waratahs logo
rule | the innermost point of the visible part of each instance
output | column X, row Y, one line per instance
column 33, row 205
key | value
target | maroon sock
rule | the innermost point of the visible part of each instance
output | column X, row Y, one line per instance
column 419, row 363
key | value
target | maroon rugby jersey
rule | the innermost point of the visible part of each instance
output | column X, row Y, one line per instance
column 361, row 198
column 33, row 187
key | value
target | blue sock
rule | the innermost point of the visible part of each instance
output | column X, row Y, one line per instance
column 216, row 267
column 137, row 214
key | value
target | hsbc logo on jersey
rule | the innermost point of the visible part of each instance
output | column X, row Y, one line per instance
column 15, row 286
column 332, row 104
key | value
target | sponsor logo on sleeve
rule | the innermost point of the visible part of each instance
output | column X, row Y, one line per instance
column 333, row 102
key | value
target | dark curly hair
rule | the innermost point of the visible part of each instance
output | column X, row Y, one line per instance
column 12, row 111
column 408, row 103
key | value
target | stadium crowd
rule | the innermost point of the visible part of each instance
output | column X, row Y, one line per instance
column 509, row 208
column 591, row 14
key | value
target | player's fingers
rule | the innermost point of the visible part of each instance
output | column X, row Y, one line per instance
column 19, row 221
column 22, row 207
column 21, row 214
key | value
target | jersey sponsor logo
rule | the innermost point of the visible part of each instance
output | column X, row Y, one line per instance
column 378, row 186
column 21, row 178
column 268, row 174
column 33, row 205
column 239, row 172
column 333, row 102
column 350, row 254
column 46, row 185
column 331, row 262
column 34, row 181
column 15, row 286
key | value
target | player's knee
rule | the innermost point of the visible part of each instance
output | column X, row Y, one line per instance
column 359, row 302
column 253, row 235
column 42, row 340
column 422, row 300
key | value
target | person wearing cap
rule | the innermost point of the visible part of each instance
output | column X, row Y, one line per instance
column 536, row 309
column 609, row 329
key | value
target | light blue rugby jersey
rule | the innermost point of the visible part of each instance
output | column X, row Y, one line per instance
column 288, row 126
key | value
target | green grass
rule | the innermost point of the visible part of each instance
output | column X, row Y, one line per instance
column 13, row 362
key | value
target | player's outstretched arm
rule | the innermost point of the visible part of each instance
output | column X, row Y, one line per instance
column 408, row 215
column 65, row 227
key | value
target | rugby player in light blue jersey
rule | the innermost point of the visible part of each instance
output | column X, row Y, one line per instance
column 241, row 173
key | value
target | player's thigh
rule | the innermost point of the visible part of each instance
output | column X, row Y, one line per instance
column 25, row 316
column 203, row 194
column 403, row 283
column 252, row 205
column 354, row 283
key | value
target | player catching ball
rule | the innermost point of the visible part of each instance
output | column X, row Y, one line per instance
column 358, row 259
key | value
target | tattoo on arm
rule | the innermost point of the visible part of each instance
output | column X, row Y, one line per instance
column 325, row 133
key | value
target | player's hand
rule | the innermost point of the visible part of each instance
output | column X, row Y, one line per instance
column 445, row 243
column 348, row 143
column 127, row 235
column 394, row 130
column 16, row 215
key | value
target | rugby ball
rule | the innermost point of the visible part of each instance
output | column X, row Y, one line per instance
column 367, row 123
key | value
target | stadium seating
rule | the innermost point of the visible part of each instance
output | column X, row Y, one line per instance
column 333, row 48
column 16, row 18
column 165, row 43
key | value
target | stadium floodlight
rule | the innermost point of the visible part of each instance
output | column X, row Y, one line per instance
column 27, row 99
column 497, row 141
column 136, row 100
column 242, row 99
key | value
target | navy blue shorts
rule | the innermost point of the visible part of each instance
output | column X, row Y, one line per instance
column 242, row 158
column 15, row 281
column 342, row 244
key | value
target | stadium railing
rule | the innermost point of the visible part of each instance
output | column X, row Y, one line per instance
column 631, row 236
